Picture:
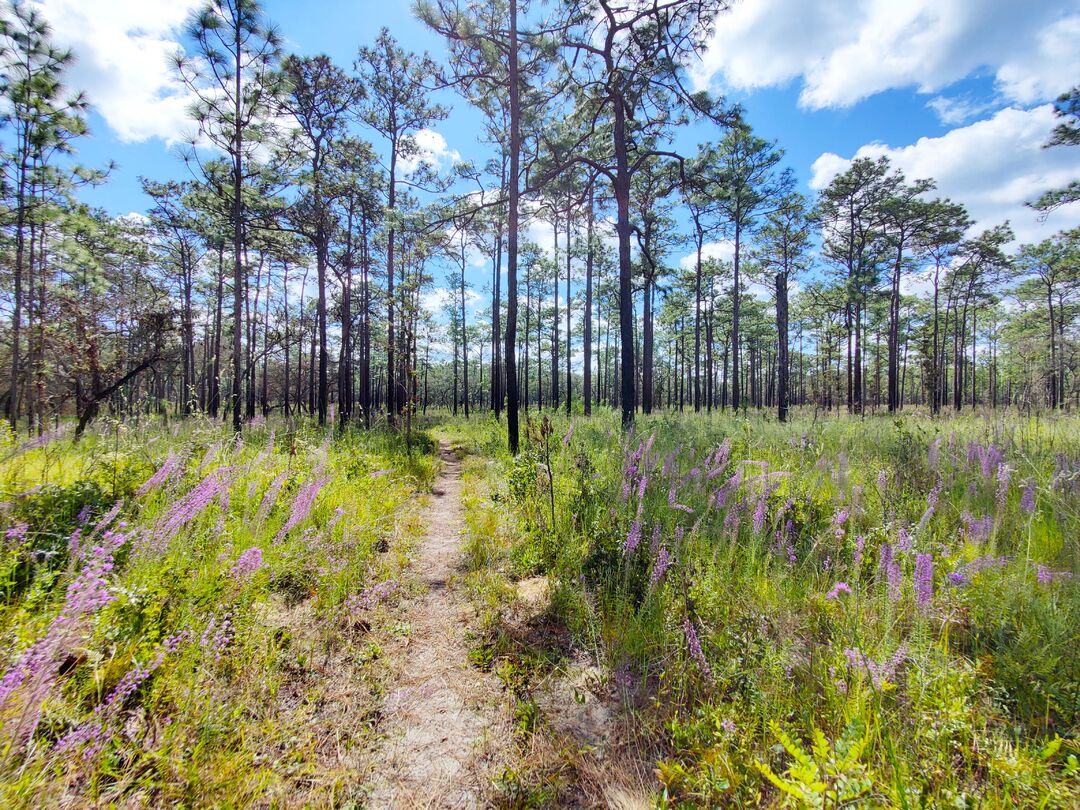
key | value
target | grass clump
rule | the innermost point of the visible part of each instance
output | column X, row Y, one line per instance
column 183, row 612
column 876, row 611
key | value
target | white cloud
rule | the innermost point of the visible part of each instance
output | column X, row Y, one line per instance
column 475, row 257
column 846, row 51
column 1047, row 70
column 916, row 284
column 540, row 232
column 724, row 251
column 436, row 300
column 992, row 166
column 432, row 150
column 123, row 49
column 952, row 111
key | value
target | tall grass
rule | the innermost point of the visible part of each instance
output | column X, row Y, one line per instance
column 182, row 614
column 879, row 610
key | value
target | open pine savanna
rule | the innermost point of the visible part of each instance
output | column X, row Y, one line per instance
column 606, row 463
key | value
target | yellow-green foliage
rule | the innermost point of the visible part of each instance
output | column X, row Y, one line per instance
column 239, row 660
column 942, row 680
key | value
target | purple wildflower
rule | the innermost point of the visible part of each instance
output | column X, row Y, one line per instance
column 107, row 519
column 1045, row 575
column 894, row 578
column 837, row 589
column 669, row 461
column 216, row 637
column 989, row 459
column 91, row 735
column 369, row 597
column 660, row 566
column 783, row 546
column 649, row 444
column 1027, row 501
column 634, row 537
column 271, row 495
column 731, row 519
column 339, row 513
column 860, row 544
column 654, row 544
column 163, row 474
column 17, row 533
column 977, row 529
column 35, row 669
column 719, row 462
column 963, row 575
column 247, row 563
column 75, row 544
column 924, row 580
column 889, row 569
column 759, row 515
column 1004, row 473
column 931, row 506
column 694, row 646
column 983, row 563
column 879, row 673
column 305, row 500
column 192, row 505
column 838, row 523
column 903, row 540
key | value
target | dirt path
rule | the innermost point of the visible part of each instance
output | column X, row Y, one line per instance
column 445, row 723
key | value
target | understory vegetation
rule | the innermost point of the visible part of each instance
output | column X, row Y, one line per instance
column 183, row 611
column 824, row 613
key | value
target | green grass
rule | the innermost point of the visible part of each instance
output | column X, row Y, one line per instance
column 982, row 702
column 234, row 717
column 972, row 699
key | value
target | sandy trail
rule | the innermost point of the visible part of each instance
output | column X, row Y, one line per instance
column 445, row 722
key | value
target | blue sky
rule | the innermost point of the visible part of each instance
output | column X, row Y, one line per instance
column 955, row 89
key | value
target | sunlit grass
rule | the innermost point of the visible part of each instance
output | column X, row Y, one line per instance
column 230, row 666
column 800, row 586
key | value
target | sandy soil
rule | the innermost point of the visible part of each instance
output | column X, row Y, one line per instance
column 445, row 720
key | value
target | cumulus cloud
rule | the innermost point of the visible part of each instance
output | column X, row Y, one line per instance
column 724, row 251
column 438, row 299
column 123, row 49
column 540, row 232
column 992, row 166
column 952, row 111
column 432, row 150
column 844, row 52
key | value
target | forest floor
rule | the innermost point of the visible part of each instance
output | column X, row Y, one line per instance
column 489, row 708
column 308, row 618
column 446, row 727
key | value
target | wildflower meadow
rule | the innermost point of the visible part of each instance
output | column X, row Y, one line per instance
column 179, row 606
column 830, row 612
